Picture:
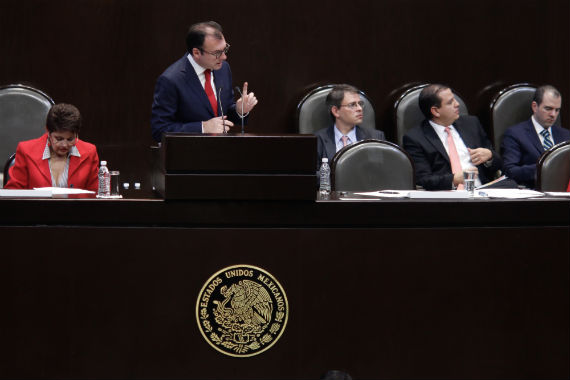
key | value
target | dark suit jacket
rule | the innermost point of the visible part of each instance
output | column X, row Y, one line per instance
column 30, row 171
column 521, row 149
column 180, row 103
column 326, row 146
column 433, row 170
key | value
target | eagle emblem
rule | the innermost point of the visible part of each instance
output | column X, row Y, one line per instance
column 242, row 310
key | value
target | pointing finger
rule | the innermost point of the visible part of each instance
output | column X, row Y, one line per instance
column 244, row 91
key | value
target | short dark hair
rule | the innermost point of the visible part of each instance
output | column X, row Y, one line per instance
column 197, row 34
column 429, row 97
column 335, row 97
column 63, row 117
column 539, row 93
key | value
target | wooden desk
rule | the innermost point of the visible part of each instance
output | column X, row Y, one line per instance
column 384, row 289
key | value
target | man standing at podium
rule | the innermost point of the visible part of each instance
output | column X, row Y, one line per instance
column 347, row 111
column 195, row 93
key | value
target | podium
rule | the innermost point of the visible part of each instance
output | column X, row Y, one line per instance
column 236, row 166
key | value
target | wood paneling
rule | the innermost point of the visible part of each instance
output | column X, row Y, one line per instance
column 104, row 56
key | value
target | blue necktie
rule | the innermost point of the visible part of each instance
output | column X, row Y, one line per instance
column 547, row 144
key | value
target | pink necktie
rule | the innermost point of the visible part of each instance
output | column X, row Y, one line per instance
column 210, row 92
column 344, row 140
column 453, row 156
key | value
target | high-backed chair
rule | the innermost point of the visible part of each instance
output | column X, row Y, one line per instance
column 407, row 113
column 6, row 173
column 510, row 106
column 23, row 111
column 312, row 112
column 553, row 168
column 370, row 165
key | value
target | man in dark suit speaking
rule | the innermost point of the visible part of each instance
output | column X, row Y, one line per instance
column 191, row 94
column 445, row 144
column 523, row 143
column 347, row 111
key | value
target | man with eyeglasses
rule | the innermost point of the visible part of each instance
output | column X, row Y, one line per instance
column 445, row 143
column 192, row 94
column 347, row 111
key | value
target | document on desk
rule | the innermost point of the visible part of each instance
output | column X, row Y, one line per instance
column 64, row 190
column 443, row 194
column 386, row 193
column 508, row 193
column 418, row 194
column 558, row 194
column 25, row 193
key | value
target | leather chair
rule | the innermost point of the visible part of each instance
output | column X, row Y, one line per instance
column 23, row 111
column 510, row 106
column 407, row 113
column 312, row 112
column 6, row 174
column 370, row 165
column 553, row 168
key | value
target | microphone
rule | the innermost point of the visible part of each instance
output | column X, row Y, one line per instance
column 241, row 116
column 221, row 109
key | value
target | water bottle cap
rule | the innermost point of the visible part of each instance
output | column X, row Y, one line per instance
column 325, row 159
column 103, row 163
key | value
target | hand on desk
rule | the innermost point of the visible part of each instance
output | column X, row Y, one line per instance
column 458, row 178
column 217, row 125
column 249, row 101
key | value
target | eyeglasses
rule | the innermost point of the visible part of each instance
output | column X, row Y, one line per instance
column 353, row 105
column 218, row 53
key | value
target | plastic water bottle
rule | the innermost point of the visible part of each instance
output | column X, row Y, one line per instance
column 104, row 181
column 325, row 175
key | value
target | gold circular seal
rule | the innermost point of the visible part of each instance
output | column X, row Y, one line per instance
column 242, row 310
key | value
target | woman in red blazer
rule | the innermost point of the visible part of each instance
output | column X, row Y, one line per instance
column 58, row 158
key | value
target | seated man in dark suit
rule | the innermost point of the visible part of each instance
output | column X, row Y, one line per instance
column 347, row 110
column 445, row 144
column 191, row 94
column 523, row 143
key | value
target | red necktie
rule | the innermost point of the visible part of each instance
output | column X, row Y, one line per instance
column 344, row 141
column 210, row 92
column 453, row 156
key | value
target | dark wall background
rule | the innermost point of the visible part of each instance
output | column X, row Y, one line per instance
column 105, row 55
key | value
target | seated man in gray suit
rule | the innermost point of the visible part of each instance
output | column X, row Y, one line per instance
column 347, row 110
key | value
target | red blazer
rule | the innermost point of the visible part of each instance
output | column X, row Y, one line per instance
column 30, row 171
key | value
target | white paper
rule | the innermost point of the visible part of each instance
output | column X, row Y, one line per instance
column 444, row 194
column 387, row 193
column 558, row 194
column 508, row 193
column 64, row 190
column 25, row 193
column 360, row 199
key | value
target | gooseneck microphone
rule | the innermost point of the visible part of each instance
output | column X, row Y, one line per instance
column 242, row 115
column 221, row 109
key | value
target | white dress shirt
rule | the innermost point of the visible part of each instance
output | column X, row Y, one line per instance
column 539, row 128
column 201, row 76
column 462, row 152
